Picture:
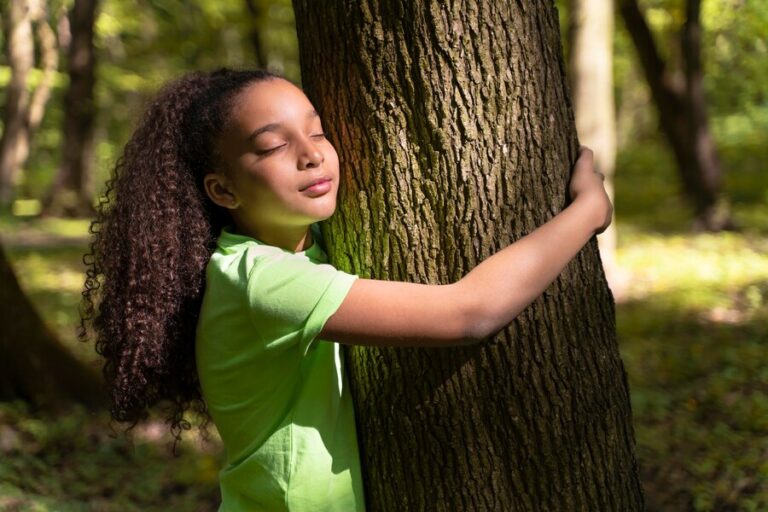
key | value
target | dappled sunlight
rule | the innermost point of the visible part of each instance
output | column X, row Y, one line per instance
column 695, row 271
column 52, row 277
column 20, row 231
column 693, row 333
column 700, row 403
column 39, row 272
column 155, row 430
column 74, row 461
column 202, row 451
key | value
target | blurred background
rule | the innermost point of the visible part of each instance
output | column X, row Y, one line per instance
column 671, row 95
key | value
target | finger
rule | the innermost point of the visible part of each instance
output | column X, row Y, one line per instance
column 586, row 157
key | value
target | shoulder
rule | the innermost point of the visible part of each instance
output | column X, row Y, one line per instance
column 290, row 296
column 275, row 279
column 278, row 272
column 239, row 261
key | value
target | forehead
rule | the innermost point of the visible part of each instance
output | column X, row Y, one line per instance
column 270, row 101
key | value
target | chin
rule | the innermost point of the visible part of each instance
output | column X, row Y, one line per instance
column 325, row 215
column 323, row 211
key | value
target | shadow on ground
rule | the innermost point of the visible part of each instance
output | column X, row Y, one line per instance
column 699, row 384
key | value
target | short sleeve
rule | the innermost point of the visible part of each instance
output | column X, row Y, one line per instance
column 291, row 298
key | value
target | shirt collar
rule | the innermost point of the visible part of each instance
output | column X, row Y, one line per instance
column 229, row 240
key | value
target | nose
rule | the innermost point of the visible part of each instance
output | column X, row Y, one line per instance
column 310, row 156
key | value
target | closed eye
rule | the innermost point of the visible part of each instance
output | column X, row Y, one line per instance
column 270, row 150
column 319, row 135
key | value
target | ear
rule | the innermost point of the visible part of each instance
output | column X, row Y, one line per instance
column 220, row 191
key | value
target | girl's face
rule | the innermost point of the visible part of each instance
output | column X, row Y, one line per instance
column 280, row 172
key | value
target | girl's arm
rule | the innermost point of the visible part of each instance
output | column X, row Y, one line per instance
column 390, row 313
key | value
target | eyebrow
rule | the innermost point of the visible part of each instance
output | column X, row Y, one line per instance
column 271, row 127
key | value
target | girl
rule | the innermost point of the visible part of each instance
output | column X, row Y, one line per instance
column 214, row 291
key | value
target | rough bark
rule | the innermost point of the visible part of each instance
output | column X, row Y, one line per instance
column 591, row 78
column 34, row 366
column 455, row 135
column 71, row 194
column 682, row 113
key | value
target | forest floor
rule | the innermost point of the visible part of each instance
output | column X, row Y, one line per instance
column 692, row 329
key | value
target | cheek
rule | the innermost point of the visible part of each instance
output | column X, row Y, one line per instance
column 258, row 191
column 271, row 191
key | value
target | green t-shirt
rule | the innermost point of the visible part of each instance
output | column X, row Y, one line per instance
column 278, row 396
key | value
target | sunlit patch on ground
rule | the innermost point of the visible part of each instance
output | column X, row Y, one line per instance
column 693, row 331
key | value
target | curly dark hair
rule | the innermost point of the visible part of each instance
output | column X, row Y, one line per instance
column 154, row 233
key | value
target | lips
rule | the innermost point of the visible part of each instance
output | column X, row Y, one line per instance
column 315, row 183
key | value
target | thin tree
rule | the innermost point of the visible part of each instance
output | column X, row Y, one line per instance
column 455, row 136
column 255, row 10
column 681, row 106
column 71, row 193
column 23, row 113
column 590, row 24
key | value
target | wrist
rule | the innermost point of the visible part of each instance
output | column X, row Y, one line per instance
column 596, row 209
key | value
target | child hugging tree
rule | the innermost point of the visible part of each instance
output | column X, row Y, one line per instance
column 208, row 287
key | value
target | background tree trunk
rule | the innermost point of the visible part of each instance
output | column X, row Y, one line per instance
column 256, row 16
column 14, row 144
column 702, row 154
column 682, row 114
column 34, row 366
column 591, row 78
column 455, row 135
column 49, row 63
column 72, row 191
column 24, row 112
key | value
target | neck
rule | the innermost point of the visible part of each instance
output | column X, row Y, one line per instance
column 291, row 239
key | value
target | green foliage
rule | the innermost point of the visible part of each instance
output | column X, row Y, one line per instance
column 697, row 377
column 693, row 332
column 147, row 43
column 647, row 189
column 734, row 52
column 71, row 462
column 141, row 45
column 735, row 41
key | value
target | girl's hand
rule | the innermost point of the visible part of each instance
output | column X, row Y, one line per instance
column 390, row 313
column 587, row 185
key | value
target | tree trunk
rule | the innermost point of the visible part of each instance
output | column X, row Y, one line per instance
column 49, row 63
column 14, row 145
column 702, row 154
column 23, row 113
column 455, row 136
column 34, row 366
column 71, row 194
column 591, row 77
column 682, row 114
column 256, row 15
